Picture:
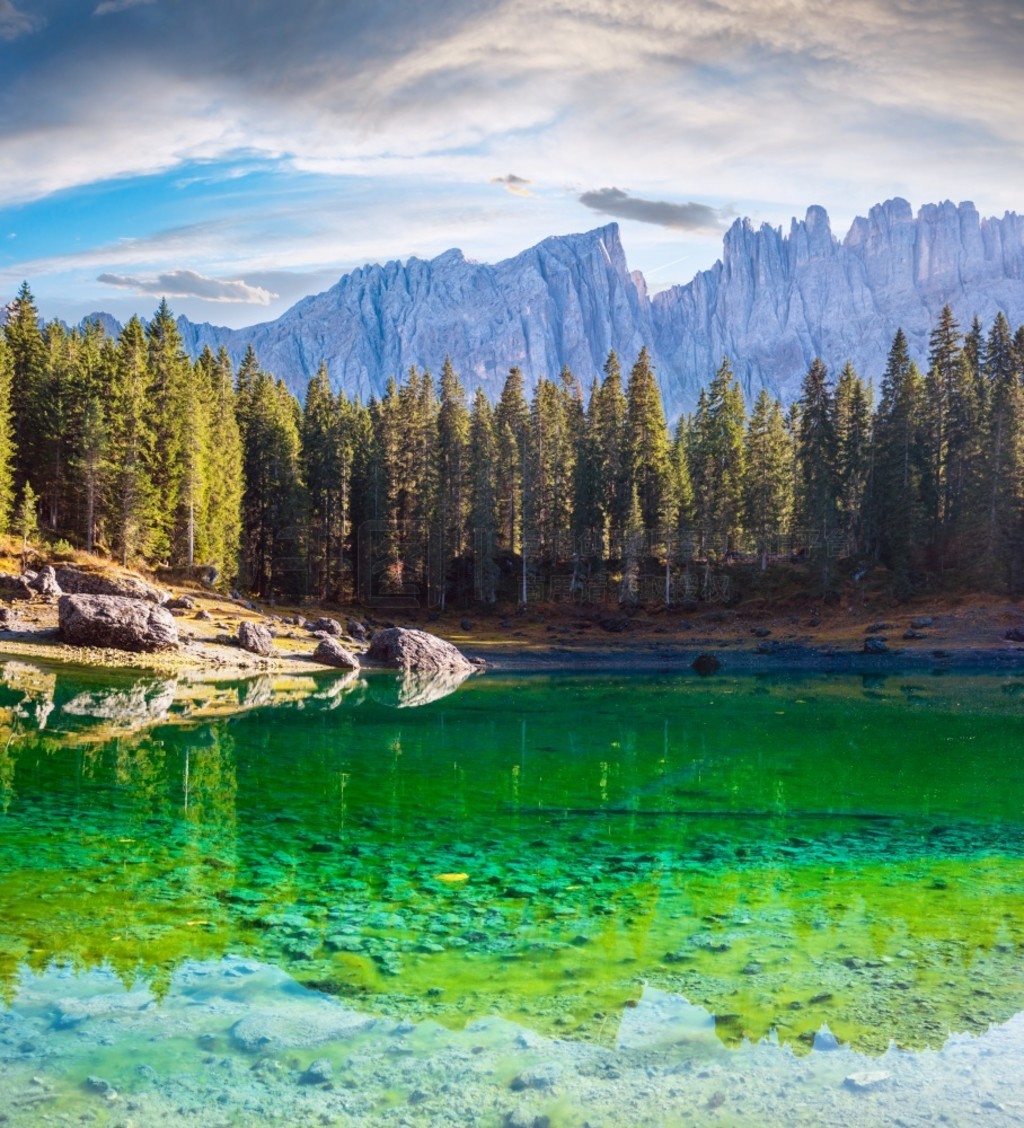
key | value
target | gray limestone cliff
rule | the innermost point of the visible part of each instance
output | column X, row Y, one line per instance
column 771, row 304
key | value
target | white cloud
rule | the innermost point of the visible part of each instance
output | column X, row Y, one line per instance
column 110, row 7
column 15, row 23
column 189, row 284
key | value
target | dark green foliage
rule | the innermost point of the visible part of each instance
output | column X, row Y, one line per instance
column 137, row 451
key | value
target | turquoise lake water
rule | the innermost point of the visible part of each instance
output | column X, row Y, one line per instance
column 802, row 862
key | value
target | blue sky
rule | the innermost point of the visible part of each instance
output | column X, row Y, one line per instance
column 236, row 156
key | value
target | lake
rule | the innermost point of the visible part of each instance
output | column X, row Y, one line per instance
column 537, row 899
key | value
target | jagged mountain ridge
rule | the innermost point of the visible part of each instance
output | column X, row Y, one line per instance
column 771, row 304
column 567, row 300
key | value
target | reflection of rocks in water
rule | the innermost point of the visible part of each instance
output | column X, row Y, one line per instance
column 142, row 703
column 346, row 686
column 256, row 692
column 410, row 690
column 34, row 690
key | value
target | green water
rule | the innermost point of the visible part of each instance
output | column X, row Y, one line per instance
column 784, row 852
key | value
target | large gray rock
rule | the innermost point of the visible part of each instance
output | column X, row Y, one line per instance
column 116, row 621
column 331, row 653
column 400, row 648
column 256, row 638
column 78, row 581
column 328, row 626
column 14, row 587
column 45, row 583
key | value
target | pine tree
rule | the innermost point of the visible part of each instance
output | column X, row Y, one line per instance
column 274, row 501
column 6, row 436
column 451, row 473
column 173, row 409
column 130, row 504
column 223, row 516
column 900, row 465
column 1004, row 466
column 322, row 473
column 609, row 437
column 853, row 437
column 768, row 485
column 940, row 387
column 818, row 488
column 483, row 517
column 511, row 427
column 28, row 356
column 717, row 464
column 647, row 446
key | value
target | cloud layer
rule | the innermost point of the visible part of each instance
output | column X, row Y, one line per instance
column 407, row 115
column 189, row 284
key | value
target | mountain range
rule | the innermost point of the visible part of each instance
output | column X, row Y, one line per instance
column 772, row 303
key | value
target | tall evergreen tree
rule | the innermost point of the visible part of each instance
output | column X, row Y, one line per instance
column 853, row 452
column 900, row 465
column 818, row 489
column 483, row 513
column 511, row 428
column 1004, row 466
column 6, row 436
column 130, row 504
column 717, row 464
column 768, row 485
column 28, row 357
column 451, row 473
column 647, row 445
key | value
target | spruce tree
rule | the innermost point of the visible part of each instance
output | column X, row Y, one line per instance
column 647, row 446
column 130, row 503
column 1004, row 465
column 717, row 459
column 28, row 357
column 451, row 474
column 900, row 465
column 768, row 485
column 6, row 436
column 818, row 488
column 511, row 427
column 483, row 515
column 853, row 436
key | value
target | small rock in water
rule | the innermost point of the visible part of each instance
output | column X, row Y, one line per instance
column 104, row 1088
column 536, row 1077
column 876, row 646
column 705, row 664
column 318, row 1073
column 869, row 1079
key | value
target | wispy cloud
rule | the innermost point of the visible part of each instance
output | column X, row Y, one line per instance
column 517, row 185
column 189, row 284
column 683, row 217
column 110, row 7
column 15, row 23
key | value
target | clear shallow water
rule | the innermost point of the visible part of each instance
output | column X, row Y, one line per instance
column 783, row 854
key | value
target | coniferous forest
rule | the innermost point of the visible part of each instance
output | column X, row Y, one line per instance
column 128, row 447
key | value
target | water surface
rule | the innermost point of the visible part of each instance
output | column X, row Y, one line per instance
column 813, row 860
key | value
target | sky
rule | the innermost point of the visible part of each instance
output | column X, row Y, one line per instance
column 234, row 156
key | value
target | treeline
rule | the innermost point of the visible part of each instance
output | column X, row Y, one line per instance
column 131, row 447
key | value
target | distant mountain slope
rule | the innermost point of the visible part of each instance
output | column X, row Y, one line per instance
column 771, row 304
column 774, row 302
column 566, row 301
